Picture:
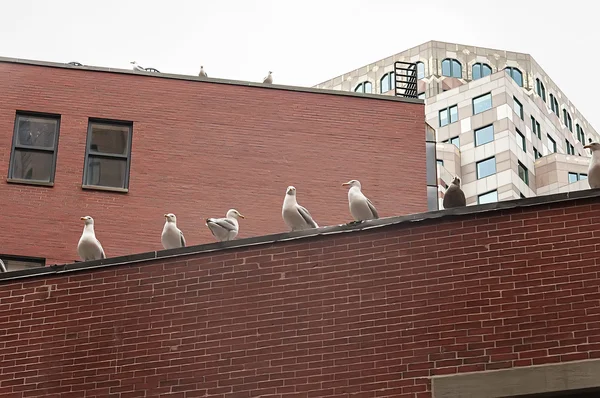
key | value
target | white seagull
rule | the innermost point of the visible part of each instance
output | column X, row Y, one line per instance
column 594, row 167
column 361, row 207
column 295, row 216
column 202, row 72
column 269, row 79
column 171, row 237
column 226, row 228
column 89, row 248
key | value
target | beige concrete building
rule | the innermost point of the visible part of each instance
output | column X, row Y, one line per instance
column 501, row 124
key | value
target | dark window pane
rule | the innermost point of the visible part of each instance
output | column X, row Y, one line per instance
column 443, row 117
column 485, row 70
column 523, row 174
column 453, row 114
column 482, row 103
column 484, row 135
column 456, row 69
column 110, row 139
column 106, row 172
column 446, row 68
column 572, row 177
column 517, row 77
column 32, row 165
column 476, row 71
column 36, row 131
column 455, row 141
column 486, row 168
column 359, row 88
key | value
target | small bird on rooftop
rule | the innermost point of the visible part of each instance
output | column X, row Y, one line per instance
column 227, row 228
column 594, row 167
column 296, row 217
column 269, row 79
column 171, row 236
column 136, row 66
column 202, row 72
column 361, row 207
column 89, row 248
column 454, row 196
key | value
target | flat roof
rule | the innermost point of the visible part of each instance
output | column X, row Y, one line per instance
column 210, row 80
column 406, row 220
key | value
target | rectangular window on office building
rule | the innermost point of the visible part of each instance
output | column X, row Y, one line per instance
column 448, row 115
column 486, row 167
column 482, row 103
column 535, row 127
column 518, row 108
column 523, row 173
column 34, row 148
column 488, row 197
column 108, row 155
column 484, row 135
column 521, row 140
column 551, row 145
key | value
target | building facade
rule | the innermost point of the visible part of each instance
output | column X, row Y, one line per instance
column 502, row 125
column 487, row 301
column 127, row 147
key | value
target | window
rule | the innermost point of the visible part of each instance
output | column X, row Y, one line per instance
column 537, row 154
column 567, row 120
column 486, row 167
column 554, row 104
column 455, row 141
column 489, row 197
column 480, row 70
column 448, row 115
column 482, row 103
column 440, row 162
column 523, row 173
column 582, row 176
column 515, row 74
column 17, row 263
column 451, row 68
column 108, row 153
column 420, row 70
column 421, row 96
column 535, row 128
column 34, row 148
column 484, row 135
column 387, row 82
column 551, row 145
column 521, row 140
column 580, row 134
column 364, row 87
column 540, row 89
column 518, row 108
column 574, row 177
column 570, row 148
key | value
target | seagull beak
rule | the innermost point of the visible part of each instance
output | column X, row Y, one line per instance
column 165, row 216
column 242, row 216
column 345, row 184
column 587, row 146
column 82, row 218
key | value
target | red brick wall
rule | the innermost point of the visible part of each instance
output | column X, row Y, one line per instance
column 199, row 149
column 361, row 314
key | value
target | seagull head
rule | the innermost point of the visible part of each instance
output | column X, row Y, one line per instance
column 352, row 184
column 88, row 220
column 593, row 146
column 233, row 213
column 456, row 181
column 170, row 217
column 291, row 190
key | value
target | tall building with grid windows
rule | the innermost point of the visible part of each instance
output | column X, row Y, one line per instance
column 501, row 124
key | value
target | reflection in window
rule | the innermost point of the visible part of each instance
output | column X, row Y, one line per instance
column 387, row 82
column 570, row 148
column 518, row 107
column 482, row 103
column 489, row 197
column 523, row 172
column 574, row 177
column 521, row 140
column 567, row 120
column 554, row 104
column 580, row 134
column 108, row 155
column 35, row 141
column 421, row 96
column 535, row 128
column 486, row 167
column 451, row 68
column 440, row 162
column 480, row 70
column 515, row 74
column 484, row 135
column 364, row 87
column 448, row 115
column 537, row 154
column 420, row 70
column 540, row 89
column 455, row 141
column 551, row 144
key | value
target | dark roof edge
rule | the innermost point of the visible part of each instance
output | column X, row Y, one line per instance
column 298, row 235
column 211, row 80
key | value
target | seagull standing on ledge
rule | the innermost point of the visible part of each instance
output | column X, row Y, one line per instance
column 269, row 79
column 295, row 216
column 594, row 167
column 171, row 237
column 89, row 248
column 227, row 228
column 136, row 66
column 202, row 72
column 361, row 207
column 454, row 196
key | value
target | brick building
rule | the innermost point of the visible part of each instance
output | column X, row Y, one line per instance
column 486, row 301
column 125, row 147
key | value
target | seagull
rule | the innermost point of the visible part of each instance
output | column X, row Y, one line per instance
column 202, row 72
column 226, row 228
column 295, row 216
column 594, row 167
column 136, row 66
column 268, row 79
column 89, row 248
column 454, row 196
column 361, row 207
column 171, row 237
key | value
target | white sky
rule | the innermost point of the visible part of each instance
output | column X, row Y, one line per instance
column 302, row 42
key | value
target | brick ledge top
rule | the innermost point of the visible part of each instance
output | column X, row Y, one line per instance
column 298, row 235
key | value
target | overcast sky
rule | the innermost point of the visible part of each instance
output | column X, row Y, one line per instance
column 302, row 42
